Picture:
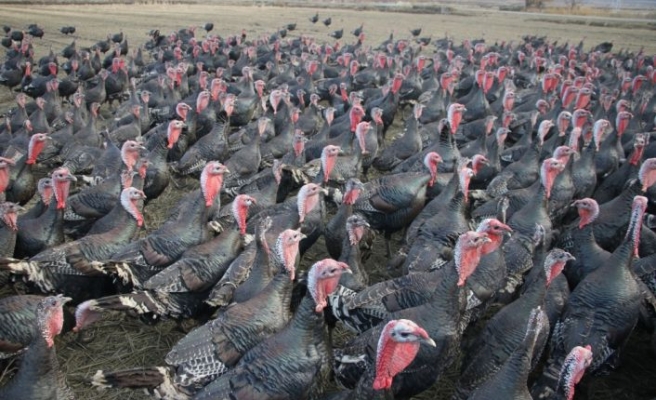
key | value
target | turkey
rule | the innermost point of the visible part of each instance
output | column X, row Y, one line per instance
column 338, row 169
column 580, row 242
column 245, row 162
column 315, row 18
column 252, row 264
column 8, row 227
column 602, row 310
column 403, row 147
column 45, row 193
column 613, row 184
column 250, row 272
column 391, row 202
column 433, row 245
column 73, row 267
column 18, row 315
column 334, row 231
column 510, row 381
column 614, row 215
column 178, row 290
column 524, row 171
column 300, row 347
column 535, row 211
column 24, row 182
column 96, row 201
column 397, row 347
column 214, row 348
column 47, row 230
column 158, row 145
column 188, row 225
column 39, row 377
column 212, row 146
column 504, row 332
column 574, row 366
column 439, row 314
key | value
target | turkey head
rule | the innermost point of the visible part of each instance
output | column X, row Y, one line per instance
column 287, row 249
column 211, row 181
column 555, row 262
column 50, row 317
column 397, row 347
column 467, row 253
column 308, row 198
column 61, row 180
column 574, row 366
column 323, row 279
column 37, row 143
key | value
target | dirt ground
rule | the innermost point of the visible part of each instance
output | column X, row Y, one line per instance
column 120, row 342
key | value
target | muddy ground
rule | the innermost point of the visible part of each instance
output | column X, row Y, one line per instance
column 120, row 342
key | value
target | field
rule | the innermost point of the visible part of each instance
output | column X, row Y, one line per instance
column 122, row 342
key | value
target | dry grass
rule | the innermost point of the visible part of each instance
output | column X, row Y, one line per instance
column 587, row 11
column 121, row 342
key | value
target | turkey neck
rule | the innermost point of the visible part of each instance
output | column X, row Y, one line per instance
column 447, row 298
column 458, row 203
column 357, row 279
column 279, row 289
column 338, row 223
column 586, row 161
column 52, row 219
column 156, row 146
column 308, row 323
column 7, row 240
column 446, row 147
column 627, row 195
column 536, row 291
column 264, row 269
column 493, row 155
column 197, row 212
column 518, row 366
column 618, row 268
column 122, row 232
column 535, row 211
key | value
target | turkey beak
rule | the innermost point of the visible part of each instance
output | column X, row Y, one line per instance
column 303, row 236
column 71, row 178
column 428, row 341
column 571, row 257
column 64, row 300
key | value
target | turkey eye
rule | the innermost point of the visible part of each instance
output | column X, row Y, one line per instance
column 404, row 334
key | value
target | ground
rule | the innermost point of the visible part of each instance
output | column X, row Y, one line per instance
column 120, row 342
